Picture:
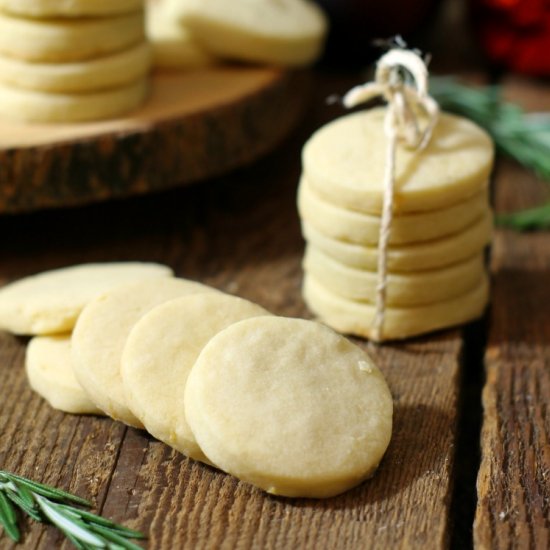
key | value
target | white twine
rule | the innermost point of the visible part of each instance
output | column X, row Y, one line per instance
column 401, row 124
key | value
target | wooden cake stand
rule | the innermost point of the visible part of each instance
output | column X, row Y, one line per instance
column 194, row 126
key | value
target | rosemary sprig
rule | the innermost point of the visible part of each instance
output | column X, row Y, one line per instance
column 50, row 505
column 523, row 137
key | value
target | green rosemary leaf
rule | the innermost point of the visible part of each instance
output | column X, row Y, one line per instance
column 85, row 530
column 47, row 491
column 18, row 501
column 533, row 218
column 76, row 543
column 25, row 495
column 93, row 518
column 8, row 518
column 68, row 525
column 114, row 537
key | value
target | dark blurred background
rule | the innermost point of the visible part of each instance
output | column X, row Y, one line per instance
column 503, row 35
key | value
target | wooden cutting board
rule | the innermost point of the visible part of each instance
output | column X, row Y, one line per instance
column 194, row 126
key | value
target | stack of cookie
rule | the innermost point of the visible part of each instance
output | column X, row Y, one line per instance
column 441, row 225
column 72, row 61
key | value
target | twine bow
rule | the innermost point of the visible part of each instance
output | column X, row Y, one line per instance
column 401, row 124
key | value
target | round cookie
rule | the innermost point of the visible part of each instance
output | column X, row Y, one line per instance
column 407, row 258
column 42, row 107
column 282, row 32
column 106, row 72
column 62, row 40
column 69, row 8
column 159, row 354
column 403, row 289
column 50, row 302
column 348, row 225
column 173, row 45
column 50, row 374
column 100, row 335
column 290, row 406
column 356, row 318
column 345, row 161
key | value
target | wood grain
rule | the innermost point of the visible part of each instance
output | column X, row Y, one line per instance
column 514, row 479
column 241, row 234
column 194, row 126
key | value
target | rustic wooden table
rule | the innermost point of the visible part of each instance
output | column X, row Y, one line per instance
column 241, row 233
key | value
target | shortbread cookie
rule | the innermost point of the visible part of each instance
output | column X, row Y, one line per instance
column 285, row 32
column 356, row 318
column 101, row 332
column 43, row 107
column 50, row 302
column 403, row 289
column 111, row 71
column 62, row 40
column 159, row 354
column 173, row 45
column 345, row 161
column 356, row 227
column 50, row 374
column 289, row 406
column 407, row 258
column 70, row 8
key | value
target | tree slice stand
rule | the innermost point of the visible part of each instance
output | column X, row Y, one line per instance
column 194, row 126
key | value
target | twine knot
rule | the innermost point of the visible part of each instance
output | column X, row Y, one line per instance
column 401, row 78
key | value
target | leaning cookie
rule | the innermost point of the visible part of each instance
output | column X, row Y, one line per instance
column 289, row 406
column 285, row 32
column 161, row 351
column 108, row 320
column 50, row 302
column 50, row 374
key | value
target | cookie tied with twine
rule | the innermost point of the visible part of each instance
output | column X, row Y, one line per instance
column 402, row 124
column 399, row 181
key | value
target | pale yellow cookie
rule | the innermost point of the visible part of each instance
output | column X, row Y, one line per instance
column 31, row 106
column 70, row 8
column 348, row 225
column 282, row 32
column 101, row 332
column 65, row 40
column 289, row 406
column 173, row 45
column 50, row 302
column 402, row 289
column 103, row 73
column 407, row 258
column 50, row 374
column 159, row 354
column 345, row 161
column 356, row 318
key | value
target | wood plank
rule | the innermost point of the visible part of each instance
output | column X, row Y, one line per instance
column 241, row 234
column 513, row 485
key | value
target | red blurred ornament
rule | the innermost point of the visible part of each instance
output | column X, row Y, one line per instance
column 515, row 34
